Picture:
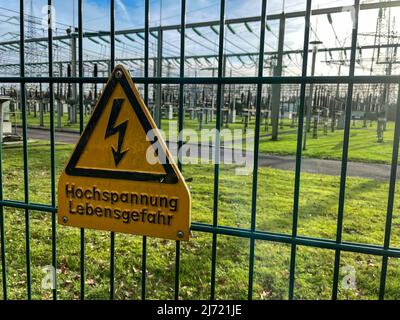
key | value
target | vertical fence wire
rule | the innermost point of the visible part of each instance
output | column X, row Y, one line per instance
column 2, row 230
column 260, row 74
column 52, row 152
column 391, row 196
column 346, row 140
column 300, row 118
column 112, row 65
column 2, row 227
column 80, row 67
column 217, row 146
column 146, row 101
column 2, row 222
column 181, row 116
column 25, row 148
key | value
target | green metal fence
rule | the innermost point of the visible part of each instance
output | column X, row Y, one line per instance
column 215, row 229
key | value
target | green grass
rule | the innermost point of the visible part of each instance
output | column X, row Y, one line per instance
column 364, row 145
column 363, row 141
column 364, row 221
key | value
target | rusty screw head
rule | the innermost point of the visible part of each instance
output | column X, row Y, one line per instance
column 180, row 234
column 64, row 219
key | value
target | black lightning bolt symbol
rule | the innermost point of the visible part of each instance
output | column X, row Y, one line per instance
column 121, row 129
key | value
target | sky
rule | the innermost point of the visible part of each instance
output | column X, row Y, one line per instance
column 130, row 15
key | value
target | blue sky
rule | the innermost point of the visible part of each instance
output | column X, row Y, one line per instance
column 129, row 15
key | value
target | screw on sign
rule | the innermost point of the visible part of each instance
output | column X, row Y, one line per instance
column 121, row 178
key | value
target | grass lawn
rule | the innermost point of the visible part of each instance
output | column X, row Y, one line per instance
column 363, row 145
column 363, row 141
column 364, row 221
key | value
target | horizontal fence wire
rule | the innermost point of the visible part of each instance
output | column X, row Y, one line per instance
column 247, row 233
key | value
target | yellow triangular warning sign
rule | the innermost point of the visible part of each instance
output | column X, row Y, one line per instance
column 121, row 176
column 119, row 152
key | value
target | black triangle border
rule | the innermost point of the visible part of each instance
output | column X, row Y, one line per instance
column 169, row 177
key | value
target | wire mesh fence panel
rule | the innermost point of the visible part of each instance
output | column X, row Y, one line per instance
column 266, row 234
